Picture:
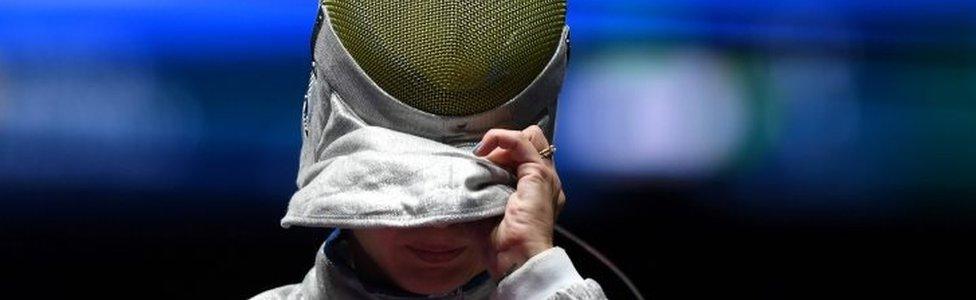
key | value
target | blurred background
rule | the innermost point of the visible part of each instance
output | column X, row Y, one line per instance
column 759, row 149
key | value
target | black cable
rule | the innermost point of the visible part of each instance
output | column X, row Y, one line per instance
column 599, row 256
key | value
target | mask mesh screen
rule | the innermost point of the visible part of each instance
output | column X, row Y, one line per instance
column 449, row 57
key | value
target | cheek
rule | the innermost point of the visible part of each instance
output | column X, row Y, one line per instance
column 379, row 244
column 479, row 233
column 478, row 255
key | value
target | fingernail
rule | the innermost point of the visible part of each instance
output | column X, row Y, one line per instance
column 476, row 148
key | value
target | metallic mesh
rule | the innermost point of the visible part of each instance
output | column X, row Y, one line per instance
column 450, row 57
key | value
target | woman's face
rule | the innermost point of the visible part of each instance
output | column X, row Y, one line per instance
column 426, row 260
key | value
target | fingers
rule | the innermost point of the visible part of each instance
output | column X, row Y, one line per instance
column 502, row 157
column 519, row 151
column 547, row 180
column 537, row 137
column 539, row 173
column 517, row 145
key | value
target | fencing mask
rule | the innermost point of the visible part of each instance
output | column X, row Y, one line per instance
column 400, row 92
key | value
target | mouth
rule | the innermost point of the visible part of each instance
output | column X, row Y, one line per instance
column 436, row 255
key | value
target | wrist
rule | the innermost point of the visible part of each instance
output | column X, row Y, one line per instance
column 540, row 278
column 532, row 249
column 517, row 257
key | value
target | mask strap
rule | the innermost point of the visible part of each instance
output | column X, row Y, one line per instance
column 599, row 256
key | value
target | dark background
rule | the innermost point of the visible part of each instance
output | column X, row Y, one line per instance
column 755, row 149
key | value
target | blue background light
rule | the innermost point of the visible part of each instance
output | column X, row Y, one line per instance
column 733, row 121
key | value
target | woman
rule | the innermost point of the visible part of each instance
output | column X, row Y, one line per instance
column 399, row 95
column 461, row 260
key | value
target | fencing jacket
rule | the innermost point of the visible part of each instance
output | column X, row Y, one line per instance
column 548, row 275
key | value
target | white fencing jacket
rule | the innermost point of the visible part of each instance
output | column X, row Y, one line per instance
column 548, row 275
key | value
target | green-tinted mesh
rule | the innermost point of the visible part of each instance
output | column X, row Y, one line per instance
column 450, row 57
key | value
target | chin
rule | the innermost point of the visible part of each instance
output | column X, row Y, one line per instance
column 433, row 282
